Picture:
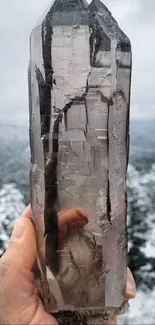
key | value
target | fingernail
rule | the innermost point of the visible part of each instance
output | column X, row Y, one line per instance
column 130, row 290
column 18, row 230
column 112, row 321
column 27, row 213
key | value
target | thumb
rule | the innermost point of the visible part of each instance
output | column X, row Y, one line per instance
column 22, row 250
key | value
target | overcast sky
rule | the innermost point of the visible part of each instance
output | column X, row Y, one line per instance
column 17, row 17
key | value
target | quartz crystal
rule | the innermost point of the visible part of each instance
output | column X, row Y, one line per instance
column 79, row 90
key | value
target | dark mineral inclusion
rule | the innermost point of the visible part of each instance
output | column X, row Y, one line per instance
column 79, row 89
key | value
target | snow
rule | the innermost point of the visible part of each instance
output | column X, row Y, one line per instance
column 143, row 186
column 141, row 310
column 11, row 206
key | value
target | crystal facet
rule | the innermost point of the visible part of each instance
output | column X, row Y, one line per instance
column 79, row 86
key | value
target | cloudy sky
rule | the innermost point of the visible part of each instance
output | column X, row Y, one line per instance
column 17, row 17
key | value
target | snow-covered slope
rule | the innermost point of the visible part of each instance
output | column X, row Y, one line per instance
column 141, row 220
column 11, row 206
column 141, row 310
column 141, row 225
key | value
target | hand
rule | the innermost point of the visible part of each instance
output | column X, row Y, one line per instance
column 20, row 302
column 130, row 294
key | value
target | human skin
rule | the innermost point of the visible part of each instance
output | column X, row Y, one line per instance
column 19, row 297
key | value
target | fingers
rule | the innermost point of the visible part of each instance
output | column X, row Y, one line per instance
column 18, row 303
column 27, row 213
column 131, row 286
column 130, row 293
column 16, row 278
column 76, row 218
column 112, row 321
column 41, row 317
column 22, row 249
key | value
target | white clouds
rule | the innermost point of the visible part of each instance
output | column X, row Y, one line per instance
column 142, row 110
column 123, row 8
column 16, row 21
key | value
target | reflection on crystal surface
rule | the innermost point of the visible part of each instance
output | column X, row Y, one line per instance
column 79, row 81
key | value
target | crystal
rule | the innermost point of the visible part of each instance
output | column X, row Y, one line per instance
column 79, row 91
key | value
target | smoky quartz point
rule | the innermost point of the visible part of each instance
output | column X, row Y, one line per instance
column 79, row 90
